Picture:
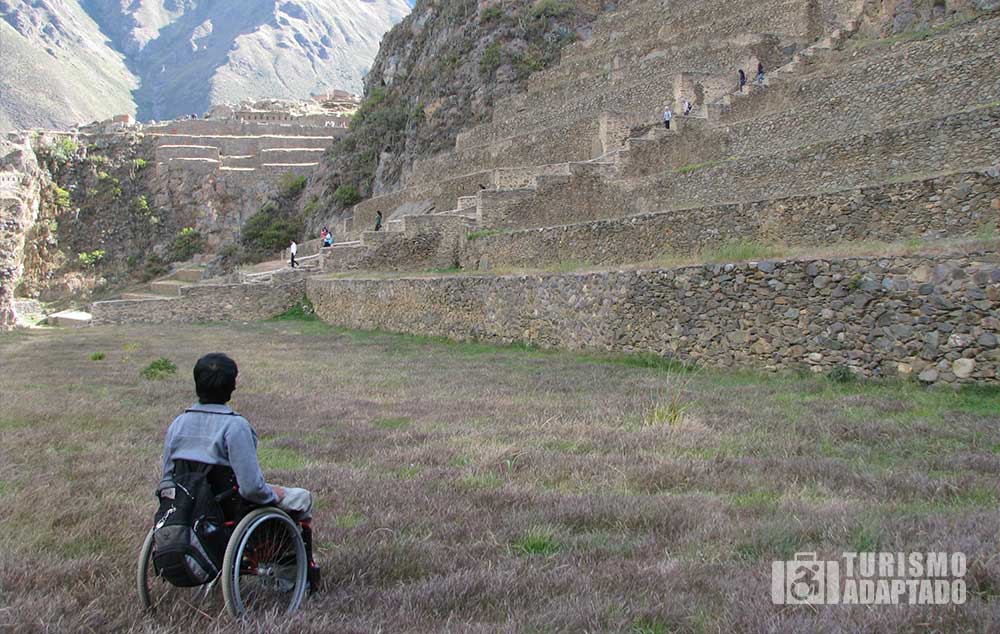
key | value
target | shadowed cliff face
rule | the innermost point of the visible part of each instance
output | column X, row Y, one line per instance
column 81, row 60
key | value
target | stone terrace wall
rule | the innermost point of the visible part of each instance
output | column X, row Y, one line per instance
column 946, row 206
column 937, row 317
column 199, row 304
column 961, row 140
column 427, row 242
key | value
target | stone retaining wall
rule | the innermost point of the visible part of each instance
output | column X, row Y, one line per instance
column 206, row 303
column 946, row 206
column 937, row 317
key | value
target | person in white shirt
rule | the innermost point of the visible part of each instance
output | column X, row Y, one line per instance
column 687, row 107
column 294, row 248
column 667, row 116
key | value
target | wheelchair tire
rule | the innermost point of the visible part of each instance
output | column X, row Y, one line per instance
column 265, row 565
column 154, row 592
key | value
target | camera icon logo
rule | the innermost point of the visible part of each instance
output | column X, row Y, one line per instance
column 805, row 581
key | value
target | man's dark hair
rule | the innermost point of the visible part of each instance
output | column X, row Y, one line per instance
column 215, row 378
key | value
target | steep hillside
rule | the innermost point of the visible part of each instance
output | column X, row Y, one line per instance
column 440, row 70
column 57, row 67
column 87, row 59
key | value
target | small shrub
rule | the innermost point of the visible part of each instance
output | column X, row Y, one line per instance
column 62, row 197
column 347, row 195
column 63, row 149
column 186, row 244
column 291, row 185
column 539, row 540
column 97, row 356
column 100, row 160
column 491, row 13
column 841, row 374
column 267, row 231
column 153, row 267
column 139, row 164
column 550, row 8
column 490, row 61
column 141, row 206
column 159, row 369
column 90, row 260
column 303, row 311
column 526, row 65
column 670, row 413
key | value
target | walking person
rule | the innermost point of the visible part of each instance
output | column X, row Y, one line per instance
column 378, row 221
column 743, row 79
column 667, row 116
column 760, row 73
column 687, row 107
column 294, row 248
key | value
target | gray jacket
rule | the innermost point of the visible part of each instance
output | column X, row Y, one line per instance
column 215, row 434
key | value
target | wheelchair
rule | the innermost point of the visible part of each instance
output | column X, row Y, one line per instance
column 264, row 564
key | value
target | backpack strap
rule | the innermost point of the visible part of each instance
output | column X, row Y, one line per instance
column 190, row 466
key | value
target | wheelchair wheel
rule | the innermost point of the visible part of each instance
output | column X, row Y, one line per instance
column 159, row 596
column 264, row 569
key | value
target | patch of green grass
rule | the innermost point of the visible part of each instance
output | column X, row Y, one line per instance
column 741, row 250
column 392, row 423
column 302, row 311
column 349, row 520
column 974, row 497
column 460, row 461
column 97, row 356
column 406, row 473
column 539, row 540
column 159, row 369
column 87, row 547
column 759, row 500
column 866, row 538
column 280, row 458
column 567, row 446
column 776, row 542
column 649, row 361
column 649, row 626
column 481, row 481
column 9, row 424
column 485, row 233
column 567, row 266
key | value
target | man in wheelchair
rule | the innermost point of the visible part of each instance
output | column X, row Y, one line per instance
column 211, row 435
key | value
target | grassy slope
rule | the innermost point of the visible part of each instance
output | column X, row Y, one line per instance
column 470, row 488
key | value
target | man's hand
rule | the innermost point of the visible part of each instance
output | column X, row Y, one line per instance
column 279, row 492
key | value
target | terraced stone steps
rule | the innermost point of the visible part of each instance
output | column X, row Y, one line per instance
column 676, row 31
column 932, row 207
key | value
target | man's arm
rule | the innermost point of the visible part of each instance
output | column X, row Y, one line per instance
column 242, row 445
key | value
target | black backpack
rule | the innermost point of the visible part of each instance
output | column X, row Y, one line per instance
column 189, row 534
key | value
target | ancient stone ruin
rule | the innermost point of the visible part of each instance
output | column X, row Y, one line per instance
column 870, row 164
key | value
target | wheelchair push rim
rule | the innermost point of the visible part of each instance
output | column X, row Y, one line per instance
column 265, row 566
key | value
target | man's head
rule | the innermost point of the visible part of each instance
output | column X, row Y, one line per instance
column 215, row 378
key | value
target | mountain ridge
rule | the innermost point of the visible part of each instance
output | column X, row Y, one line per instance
column 80, row 60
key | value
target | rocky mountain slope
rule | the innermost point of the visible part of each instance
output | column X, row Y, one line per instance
column 441, row 70
column 78, row 60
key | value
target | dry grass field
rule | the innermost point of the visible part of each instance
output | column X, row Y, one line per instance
column 466, row 488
